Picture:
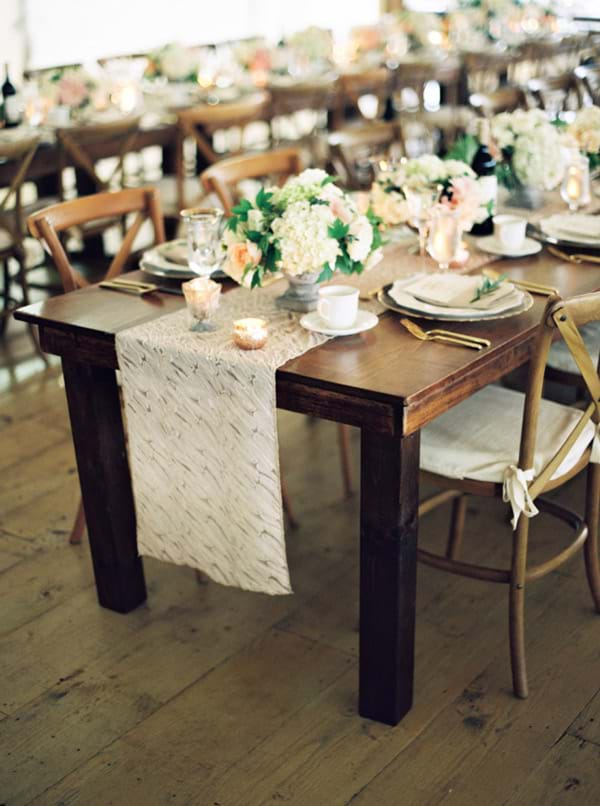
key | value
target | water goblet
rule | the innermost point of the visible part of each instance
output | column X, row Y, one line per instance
column 202, row 226
column 444, row 237
column 421, row 201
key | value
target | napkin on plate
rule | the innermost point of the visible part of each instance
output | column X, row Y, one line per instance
column 456, row 291
column 573, row 225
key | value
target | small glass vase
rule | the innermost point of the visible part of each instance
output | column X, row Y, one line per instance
column 302, row 293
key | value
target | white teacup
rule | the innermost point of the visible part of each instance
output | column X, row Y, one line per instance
column 338, row 305
column 509, row 230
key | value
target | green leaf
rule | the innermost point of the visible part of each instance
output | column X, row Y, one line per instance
column 256, row 279
column 338, row 230
column 488, row 286
column 464, row 149
column 328, row 180
column 326, row 274
column 263, row 200
column 254, row 235
column 241, row 210
column 232, row 223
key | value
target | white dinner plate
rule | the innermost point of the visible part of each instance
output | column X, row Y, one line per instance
column 364, row 321
column 492, row 245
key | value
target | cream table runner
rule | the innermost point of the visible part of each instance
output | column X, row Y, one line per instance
column 203, row 444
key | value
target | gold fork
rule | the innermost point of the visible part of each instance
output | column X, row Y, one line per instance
column 524, row 285
column 576, row 258
column 445, row 336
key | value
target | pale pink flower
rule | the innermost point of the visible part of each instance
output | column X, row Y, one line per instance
column 240, row 256
column 72, row 91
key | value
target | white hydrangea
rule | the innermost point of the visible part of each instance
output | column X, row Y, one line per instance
column 585, row 129
column 304, row 241
column 456, row 168
column 177, row 62
column 304, row 186
column 537, row 158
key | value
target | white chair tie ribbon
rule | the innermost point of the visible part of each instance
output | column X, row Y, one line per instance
column 516, row 492
column 595, row 454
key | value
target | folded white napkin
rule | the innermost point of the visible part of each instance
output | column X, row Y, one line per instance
column 457, row 291
column 575, row 225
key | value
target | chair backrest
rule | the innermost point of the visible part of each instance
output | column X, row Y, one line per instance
column 21, row 153
column 199, row 122
column 82, row 146
column 48, row 224
column 504, row 99
column 317, row 95
column 555, row 93
column 353, row 87
column 566, row 316
column 350, row 147
column 222, row 177
column 589, row 80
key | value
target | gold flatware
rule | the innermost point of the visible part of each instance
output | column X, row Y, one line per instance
column 574, row 258
column 524, row 285
column 429, row 335
column 129, row 286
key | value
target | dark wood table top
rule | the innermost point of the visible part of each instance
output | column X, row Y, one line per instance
column 395, row 381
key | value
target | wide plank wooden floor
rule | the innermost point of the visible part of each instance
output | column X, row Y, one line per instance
column 212, row 696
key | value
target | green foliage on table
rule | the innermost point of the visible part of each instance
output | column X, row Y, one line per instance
column 488, row 286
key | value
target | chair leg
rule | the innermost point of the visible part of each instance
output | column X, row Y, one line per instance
column 592, row 517
column 78, row 526
column 516, row 610
column 345, row 458
column 457, row 525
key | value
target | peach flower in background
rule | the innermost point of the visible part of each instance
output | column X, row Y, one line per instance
column 72, row 90
column 240, row 256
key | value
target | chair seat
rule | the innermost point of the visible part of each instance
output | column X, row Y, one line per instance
column 560, row 356
column 479, row 438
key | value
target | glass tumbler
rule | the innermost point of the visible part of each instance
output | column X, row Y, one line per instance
column 203, row 229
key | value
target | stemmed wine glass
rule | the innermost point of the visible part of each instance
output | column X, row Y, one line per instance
column 421, row 201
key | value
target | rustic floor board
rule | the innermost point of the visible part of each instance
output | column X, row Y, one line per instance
column 212, row 696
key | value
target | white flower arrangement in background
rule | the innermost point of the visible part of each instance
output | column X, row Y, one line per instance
column 309, row 226
column 584, row 134
column 456, row 179
column 531, row 149
column 175, row 62
column 72, row 87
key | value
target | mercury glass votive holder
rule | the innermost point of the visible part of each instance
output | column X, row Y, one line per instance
column 250, row 334
column 575, row 188
column 202, row 297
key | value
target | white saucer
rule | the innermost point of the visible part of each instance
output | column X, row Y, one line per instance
column 364, row 321
column 492, row 245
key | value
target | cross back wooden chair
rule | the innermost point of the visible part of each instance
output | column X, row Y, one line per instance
column 556, row 442
column 48, row 224
column 504, row 99
column 318, row 96
column 352, row 89
column 20, row 155
column 223, row 177
column 351, row 147
column 556, row 93
column 199, row 123
column 77, row 145
column 589, row 81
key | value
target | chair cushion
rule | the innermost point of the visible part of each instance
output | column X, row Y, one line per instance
column 560, row 356
column 479, row 438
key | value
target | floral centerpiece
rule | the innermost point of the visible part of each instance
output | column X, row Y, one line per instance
column 584, row 133
column 72, row 88
column 174, row 62
column 457, row 182
column 530, row 152
column 313, row 44
column 307, row 229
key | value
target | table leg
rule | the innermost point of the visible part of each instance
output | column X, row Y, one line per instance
column 97, row 426
column 388, row 544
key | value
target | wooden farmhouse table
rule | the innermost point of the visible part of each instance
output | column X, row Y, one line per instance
column 385, row 382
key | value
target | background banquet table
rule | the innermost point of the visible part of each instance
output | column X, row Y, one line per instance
column 385, row 382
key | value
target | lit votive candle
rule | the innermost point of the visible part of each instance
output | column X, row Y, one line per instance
column 444, row 238
column 250, row 334
column 575, row 188
column 202, row 297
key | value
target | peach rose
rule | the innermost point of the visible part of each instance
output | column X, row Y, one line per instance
column 240, row 256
